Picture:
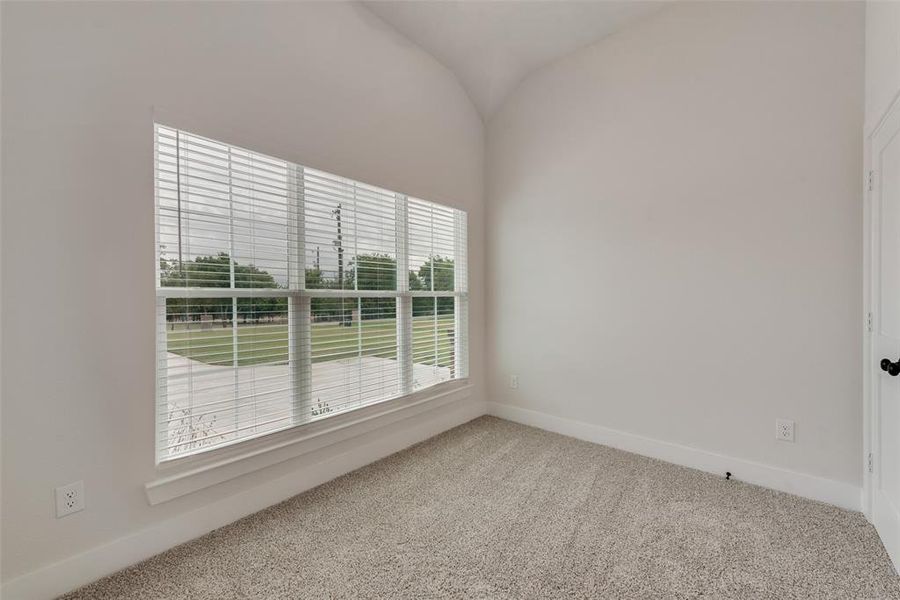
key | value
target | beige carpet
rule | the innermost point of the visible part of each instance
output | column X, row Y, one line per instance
column 493, row 509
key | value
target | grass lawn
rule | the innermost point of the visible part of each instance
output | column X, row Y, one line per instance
column 268, row 344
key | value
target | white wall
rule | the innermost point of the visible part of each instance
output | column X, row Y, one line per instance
column 882, row 59
column 326, row 85
column 675, row 234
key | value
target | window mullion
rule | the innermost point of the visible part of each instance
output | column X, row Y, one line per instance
column 299, row 305
column 434, row 323
column 162, row 376
column 359, row 313
column 234, row 302
column 161, row 430
column 404, row 302
column 461, row 302
column 461, row 337
column 230, row 221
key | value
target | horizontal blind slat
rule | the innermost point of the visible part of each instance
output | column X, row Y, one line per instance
column 233, row 361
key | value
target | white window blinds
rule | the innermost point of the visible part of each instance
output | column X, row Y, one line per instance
column 286, row 294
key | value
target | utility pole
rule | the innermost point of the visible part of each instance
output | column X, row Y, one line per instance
column 339, row 243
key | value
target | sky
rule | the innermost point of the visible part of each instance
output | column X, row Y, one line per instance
column 236, row 201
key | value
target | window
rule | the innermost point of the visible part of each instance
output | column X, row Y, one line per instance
column 287, row 295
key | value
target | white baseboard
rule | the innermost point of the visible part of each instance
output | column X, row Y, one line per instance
column 888, row 527
column 66, row 575
column 837, row 493
column 56, row 579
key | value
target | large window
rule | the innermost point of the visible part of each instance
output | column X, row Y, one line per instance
column 287, row 295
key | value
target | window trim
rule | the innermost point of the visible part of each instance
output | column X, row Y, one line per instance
column 194, row 472
column 299, row 312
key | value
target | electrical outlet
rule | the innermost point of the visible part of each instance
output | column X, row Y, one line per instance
column 784, row 430
column 69, row 499
column 514, row 382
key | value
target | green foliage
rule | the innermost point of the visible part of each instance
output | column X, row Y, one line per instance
column 215, row 272
column 439, row 270
column 314, row 279
column 374, row 272
column 415, row 284
column 369, row 271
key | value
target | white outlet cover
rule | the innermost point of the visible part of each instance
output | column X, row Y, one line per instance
column 514, row 382
column 69, row 499
column 784, row 430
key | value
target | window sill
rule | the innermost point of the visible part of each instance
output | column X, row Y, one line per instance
column 201, row 471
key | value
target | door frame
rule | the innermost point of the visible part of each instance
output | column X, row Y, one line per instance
column 870, row 240
column 868, row 327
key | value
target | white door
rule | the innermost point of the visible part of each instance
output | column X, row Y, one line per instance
column 885, row 432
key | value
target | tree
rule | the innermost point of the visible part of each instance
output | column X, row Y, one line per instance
column 314, row 279
column 415, row 284
column 374, row 272
column 214, row 271
column 441, row 271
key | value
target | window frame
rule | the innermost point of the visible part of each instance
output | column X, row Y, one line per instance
column 299, row 328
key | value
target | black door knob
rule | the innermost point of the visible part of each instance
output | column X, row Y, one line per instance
column 892, row 368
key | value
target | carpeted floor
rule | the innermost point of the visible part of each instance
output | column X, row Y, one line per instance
column 493, row 509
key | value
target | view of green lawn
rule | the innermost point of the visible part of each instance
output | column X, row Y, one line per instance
column 211, row 343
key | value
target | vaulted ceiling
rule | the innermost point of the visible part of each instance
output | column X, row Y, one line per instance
column 492, row 45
